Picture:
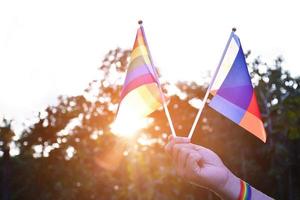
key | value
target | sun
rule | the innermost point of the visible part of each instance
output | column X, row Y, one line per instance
column 128, row 126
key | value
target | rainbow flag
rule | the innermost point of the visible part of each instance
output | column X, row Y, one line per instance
column 140, row 95
column 232, row 90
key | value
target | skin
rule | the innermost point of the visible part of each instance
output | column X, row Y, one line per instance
column 203, row 167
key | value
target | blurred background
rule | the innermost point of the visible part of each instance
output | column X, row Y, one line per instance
column 62, row 66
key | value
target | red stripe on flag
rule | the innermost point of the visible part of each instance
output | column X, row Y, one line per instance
column 253, row 106
column 145, row 79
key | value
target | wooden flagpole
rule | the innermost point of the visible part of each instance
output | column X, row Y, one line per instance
column 140, row 22
column 208, row 90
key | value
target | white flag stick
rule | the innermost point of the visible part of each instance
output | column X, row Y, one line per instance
column 208, row 89
column 159, row 85
column 169, row 118
column 199, row 113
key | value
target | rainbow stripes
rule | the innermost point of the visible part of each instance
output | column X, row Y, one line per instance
column 245, row 193
column 140, row 94
column 234, row 96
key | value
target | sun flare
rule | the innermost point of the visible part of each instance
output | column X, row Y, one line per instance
column 129, row 125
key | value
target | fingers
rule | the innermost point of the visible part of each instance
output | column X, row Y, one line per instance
column 175, row 140
column 194, row 163
column 182, row 161
column 180, row 153
column 178, row 139
column 188, row 158
column 187, row 161
column 195, row 159
column 176, row 148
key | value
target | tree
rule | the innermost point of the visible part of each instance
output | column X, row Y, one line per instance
column 279, row 97
column 70, row 153
column 6, row 135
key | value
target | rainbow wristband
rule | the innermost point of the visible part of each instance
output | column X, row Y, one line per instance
column 245, row 193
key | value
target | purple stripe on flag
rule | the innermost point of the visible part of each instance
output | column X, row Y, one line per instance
column 237, row 87
column 238, row 95
column 141, row 80
column 227, row 109
column 139, row 71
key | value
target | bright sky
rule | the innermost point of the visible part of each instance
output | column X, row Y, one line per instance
column 48, row 48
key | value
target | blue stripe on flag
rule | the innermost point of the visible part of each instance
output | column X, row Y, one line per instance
column 227, row 109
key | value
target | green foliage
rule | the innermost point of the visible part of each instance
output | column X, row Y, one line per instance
column 70, row 152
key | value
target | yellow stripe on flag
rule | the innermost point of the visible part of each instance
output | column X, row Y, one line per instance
column 150, row 94
column 139, row 51
column 140, row 102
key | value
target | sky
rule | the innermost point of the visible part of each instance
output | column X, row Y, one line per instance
column 51, row 48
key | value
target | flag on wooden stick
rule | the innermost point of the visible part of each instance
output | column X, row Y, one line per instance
column 234, row 96
column 232, row 90
column 141, row 93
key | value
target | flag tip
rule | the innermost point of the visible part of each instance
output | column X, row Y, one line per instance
column 140, row 22
column 233, row 29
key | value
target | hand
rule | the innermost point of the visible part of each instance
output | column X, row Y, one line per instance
column 203, row 167
column 199, row 165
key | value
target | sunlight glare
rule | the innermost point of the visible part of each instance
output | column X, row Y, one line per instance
column 128, row 126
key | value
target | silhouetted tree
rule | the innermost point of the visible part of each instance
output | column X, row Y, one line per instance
column 70, row 153
column 6, row 135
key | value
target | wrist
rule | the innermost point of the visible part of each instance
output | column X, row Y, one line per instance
column 231, row 188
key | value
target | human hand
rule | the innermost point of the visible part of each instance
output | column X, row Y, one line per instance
column 200, row 165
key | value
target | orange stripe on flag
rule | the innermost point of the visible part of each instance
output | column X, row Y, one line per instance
column 139, row 40
column 139, row 51
column 254, row 125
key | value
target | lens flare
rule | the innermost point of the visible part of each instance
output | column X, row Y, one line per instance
column 128, row 126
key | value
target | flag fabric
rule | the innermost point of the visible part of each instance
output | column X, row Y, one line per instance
column 232, row 90
column 140, row 95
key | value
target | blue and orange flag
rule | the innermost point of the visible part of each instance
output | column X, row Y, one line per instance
column 141, row 94
column 232, row 90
